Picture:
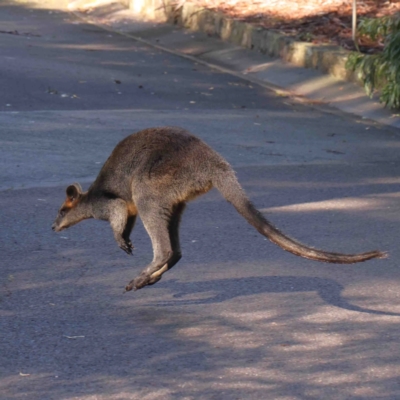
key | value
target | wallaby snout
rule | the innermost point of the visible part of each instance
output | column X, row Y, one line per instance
column 57, row 227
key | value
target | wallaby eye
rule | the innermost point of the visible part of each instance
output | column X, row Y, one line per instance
column 62, row 212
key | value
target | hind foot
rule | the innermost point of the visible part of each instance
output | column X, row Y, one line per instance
column 145, row 279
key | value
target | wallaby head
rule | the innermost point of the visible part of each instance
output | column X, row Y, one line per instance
column 72, row 210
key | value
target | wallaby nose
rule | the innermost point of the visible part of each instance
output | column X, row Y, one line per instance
column 53, row 227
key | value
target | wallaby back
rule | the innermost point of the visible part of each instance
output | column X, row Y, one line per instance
column 168, row 164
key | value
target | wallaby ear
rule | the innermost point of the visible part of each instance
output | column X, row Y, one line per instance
column 73, row 191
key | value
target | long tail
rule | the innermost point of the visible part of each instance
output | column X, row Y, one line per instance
column 230, row 188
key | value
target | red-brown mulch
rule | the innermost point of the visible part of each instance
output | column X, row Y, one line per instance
column 314, row 21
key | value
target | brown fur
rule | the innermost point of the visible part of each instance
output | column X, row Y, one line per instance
column 154, row 173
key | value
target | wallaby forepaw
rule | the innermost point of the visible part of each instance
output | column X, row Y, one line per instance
column 127, row 247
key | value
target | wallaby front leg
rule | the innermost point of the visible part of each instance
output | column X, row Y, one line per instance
column 130, row 223
column 121, row 224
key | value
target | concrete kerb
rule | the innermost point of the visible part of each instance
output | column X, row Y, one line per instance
column 329, row 59
column 324, row 58
column 279, row 90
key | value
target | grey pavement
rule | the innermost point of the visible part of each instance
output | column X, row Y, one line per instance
column 237, row 318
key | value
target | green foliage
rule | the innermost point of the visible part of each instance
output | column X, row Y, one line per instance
column 383, row 69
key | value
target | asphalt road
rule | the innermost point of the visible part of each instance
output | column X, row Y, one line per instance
column 237, row 318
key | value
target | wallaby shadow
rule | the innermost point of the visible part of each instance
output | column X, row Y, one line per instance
column 227, row 289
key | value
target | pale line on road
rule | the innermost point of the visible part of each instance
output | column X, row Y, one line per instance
column 347, row 204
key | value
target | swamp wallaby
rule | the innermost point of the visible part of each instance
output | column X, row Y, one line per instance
column 154, row 173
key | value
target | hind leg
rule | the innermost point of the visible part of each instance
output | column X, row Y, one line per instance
column 173, row 231
column 156, row 220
